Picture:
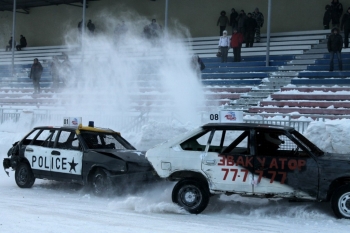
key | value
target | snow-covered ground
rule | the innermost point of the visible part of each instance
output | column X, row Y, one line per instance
column 61, row 207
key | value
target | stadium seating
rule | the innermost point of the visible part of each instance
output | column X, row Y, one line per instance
column 297, row 58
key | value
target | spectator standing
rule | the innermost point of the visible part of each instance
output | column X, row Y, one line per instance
column 236, row 44
column 23, row 43
column 80, row 26
column 345, row 25
column 55, row 67
column 335, row 45
column 240, row 24
column 233, row 18
column 327, row 17
column 153, row 30
column 197, row 65
column 224, row 43
column 9, row 46
column 66, row 71
column 35, row 74
column 337, row 11
column 250, row 26
column 259, row 18
column 222, row 22
column 91, row 27
column 120, row 31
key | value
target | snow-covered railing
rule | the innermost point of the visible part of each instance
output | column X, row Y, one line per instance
column 135, row 120
column 298, row 121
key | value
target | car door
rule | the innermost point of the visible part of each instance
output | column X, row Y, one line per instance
column 67, row 156
column 228, row 162
column 283, row 166
column 38, row 152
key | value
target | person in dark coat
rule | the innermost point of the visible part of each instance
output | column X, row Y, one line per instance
column 35, row 75
column 9, row 46
column 241, row 18
column 91, row 27
column 259, row 18
column 236, row 44
column 223, row 21
column 233, row 18
column 335, row 45
column 55, row 68
column 249, row 28
column 345, row 25
column 23, row 43
column 337, row 11
column 327, row 17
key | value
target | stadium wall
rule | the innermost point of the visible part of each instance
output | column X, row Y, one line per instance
column 50, row 25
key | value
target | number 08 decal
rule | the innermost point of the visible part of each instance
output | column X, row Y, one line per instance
column 213, row 117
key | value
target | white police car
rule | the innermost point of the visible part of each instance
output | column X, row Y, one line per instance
column 99, row 157
column 251, row 160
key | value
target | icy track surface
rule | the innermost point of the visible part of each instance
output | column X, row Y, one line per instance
column 58, row 207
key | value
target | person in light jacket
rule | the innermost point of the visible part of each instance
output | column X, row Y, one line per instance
column 224, row 45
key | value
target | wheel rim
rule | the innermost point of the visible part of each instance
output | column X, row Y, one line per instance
column 344, row 204
column 190, row 196
column 23, row 176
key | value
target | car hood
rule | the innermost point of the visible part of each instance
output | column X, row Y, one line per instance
column 133, row 156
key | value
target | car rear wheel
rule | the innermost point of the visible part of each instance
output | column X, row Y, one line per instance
column 191, row 195
column 24, row 176
column 341, row 202
column 100, row 183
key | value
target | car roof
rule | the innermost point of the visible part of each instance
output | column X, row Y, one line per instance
column 244, row 126
column 80, row 127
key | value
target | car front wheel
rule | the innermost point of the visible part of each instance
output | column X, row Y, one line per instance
column 100, row 183
column 24, row 176
column 191, row 195
column 341, row 202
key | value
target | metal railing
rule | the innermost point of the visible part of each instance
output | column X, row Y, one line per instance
column 135, row 120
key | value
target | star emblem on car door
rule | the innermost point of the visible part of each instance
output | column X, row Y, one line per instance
column 72, row 165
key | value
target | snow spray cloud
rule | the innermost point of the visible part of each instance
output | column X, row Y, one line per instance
column 132, row 71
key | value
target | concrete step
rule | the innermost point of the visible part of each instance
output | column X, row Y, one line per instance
column 316, row 51
column 286, row 74
column 310, row 56
column 301, row 62
column 319, row 46
column 296, row 67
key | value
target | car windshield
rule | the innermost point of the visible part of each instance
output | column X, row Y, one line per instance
column 102, row 140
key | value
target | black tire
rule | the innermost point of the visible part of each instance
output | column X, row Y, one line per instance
column 100, row 183
column 191, row 195
column 340, row 202
column 24, row 176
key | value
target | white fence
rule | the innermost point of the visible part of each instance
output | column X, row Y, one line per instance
column 133, row 121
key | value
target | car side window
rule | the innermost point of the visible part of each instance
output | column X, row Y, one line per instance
column 233, row 142
column 196, row 143
column 50, row 140
column 277, row 144
column 29, row 138
column 68, row 140
column 44, row 138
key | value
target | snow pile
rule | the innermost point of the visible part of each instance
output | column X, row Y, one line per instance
column 330, row 135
